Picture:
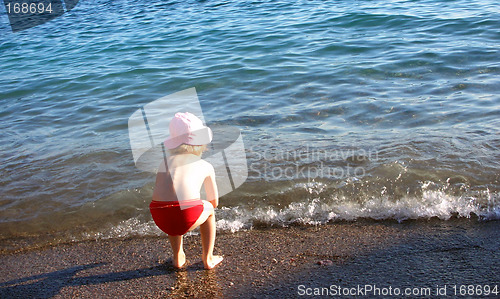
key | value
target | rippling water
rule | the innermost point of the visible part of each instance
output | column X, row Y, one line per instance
column 348, row 109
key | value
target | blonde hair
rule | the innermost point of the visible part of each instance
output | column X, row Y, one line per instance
column 188, row 149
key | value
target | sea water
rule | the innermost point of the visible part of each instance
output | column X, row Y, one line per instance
column 387, row 110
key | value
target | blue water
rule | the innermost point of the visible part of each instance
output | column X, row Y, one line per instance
column 411, row 88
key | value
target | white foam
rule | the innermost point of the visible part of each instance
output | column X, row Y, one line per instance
column 315, row 211
column 127, row 228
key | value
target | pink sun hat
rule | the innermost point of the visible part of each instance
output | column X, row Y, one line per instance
column 186, row 128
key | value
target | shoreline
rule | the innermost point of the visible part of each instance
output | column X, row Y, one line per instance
column 293, row 261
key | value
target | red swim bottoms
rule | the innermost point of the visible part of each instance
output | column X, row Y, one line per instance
column 173, row 220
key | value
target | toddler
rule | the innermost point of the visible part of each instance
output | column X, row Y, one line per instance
column 177, row 206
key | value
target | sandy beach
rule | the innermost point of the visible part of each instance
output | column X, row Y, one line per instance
column 287, row 262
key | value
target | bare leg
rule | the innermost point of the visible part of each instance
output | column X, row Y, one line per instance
column 179, row 255
column 208, row 210
column 207, row 231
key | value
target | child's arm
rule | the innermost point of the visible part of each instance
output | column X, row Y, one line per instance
column 211, row 189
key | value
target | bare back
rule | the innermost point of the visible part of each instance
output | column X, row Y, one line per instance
column 189, row 172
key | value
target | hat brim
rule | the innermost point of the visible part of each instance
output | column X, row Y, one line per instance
column 198, row 137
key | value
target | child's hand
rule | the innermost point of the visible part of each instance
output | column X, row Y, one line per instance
column 214, row 203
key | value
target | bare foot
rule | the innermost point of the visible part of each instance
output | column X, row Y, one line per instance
column 180, row 261
column 214, row 261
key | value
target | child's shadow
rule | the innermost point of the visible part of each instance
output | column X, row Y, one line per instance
column 44, row 285
column 47, row 285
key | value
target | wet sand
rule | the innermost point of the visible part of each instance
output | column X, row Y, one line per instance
column 284, row 262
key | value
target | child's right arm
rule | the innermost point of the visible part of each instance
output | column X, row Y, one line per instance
column 211, row 188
